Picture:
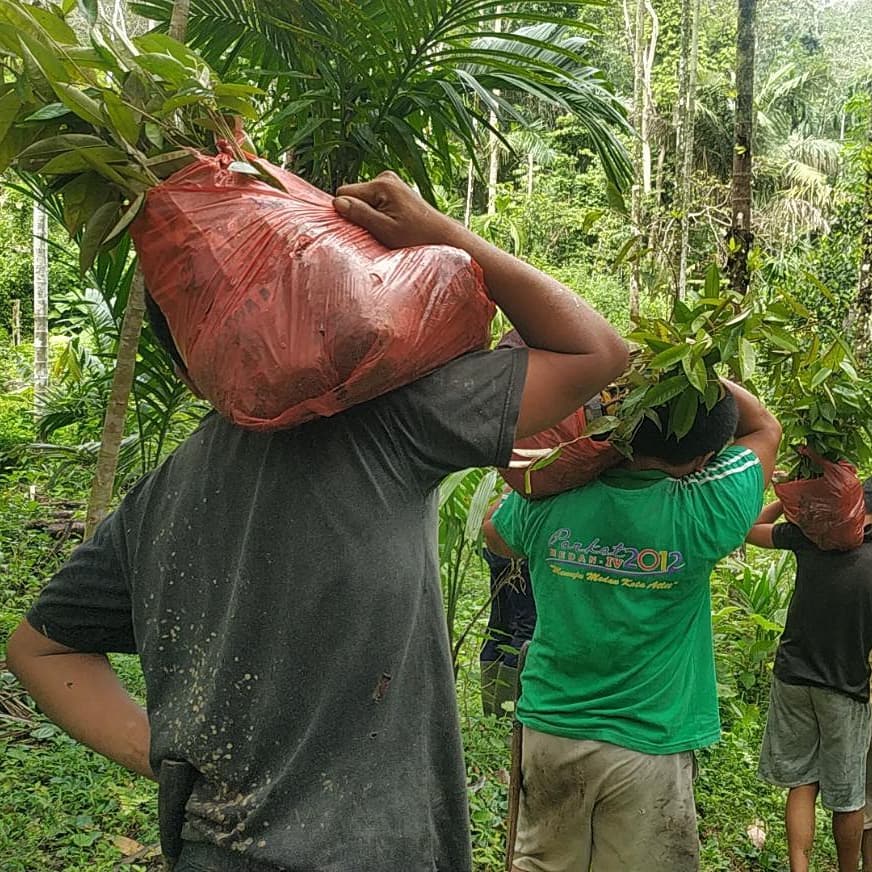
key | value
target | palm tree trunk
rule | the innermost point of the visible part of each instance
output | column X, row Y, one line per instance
column 687, row 116
column 740, row 236
column 40, row 307
column 116, row 410
column 470, row 192
column 493, row 146
column 125, row 365
column 636, row 39
column 16, row 323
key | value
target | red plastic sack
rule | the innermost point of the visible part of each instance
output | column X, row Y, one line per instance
column 831, row 509
column 282, row 310
column 581, row 459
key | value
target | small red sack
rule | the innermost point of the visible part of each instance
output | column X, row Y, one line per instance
column 830, row 509
column 581, row 460
column 284, row 311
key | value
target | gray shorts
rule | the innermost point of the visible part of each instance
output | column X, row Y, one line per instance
column 817, row 736
column 592, row 805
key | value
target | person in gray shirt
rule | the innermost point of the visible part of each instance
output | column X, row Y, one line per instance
column 282, row 592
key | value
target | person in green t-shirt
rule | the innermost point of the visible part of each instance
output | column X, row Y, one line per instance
column 619, row 686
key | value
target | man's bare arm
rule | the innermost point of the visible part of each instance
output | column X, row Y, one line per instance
column 761, row 533
column 758, row 429
column 574, row 352
column 82, row 694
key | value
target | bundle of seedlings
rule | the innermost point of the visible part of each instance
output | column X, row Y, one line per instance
column 281, row 310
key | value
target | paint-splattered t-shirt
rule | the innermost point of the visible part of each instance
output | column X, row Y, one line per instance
column 282, row 592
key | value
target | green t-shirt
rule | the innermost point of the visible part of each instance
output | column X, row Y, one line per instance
column 622, row 651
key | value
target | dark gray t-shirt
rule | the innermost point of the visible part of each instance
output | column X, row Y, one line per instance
column 828, row 632
column 282, row 592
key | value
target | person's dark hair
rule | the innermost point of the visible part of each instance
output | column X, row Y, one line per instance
column 711, row 431
column 867, row 495
column 161, row 331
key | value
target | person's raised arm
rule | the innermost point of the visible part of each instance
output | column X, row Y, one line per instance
column 82, row 694
column 761, row 533
column 757, row 429
column 574, row 351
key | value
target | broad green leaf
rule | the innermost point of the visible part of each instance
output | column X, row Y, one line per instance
column 34, row 156
column 82, row 196
column 10, row 106
column 239, row 106
column 747, row 359
column 779, row 337
column 164, row 67
column 664, row 391
column 161, row 44
column 49, row 112
column 122, row 117
column 154, row 134
column 126, row 219
column 625, row 249
column 603, row 424
column 820, row 376
column 671, row 356
column 481, row 499
column 54, row 25
column 681, row 312
column 236, row 90
column 712, row 395
column 45, row 59
column 84, row 106
column 81, row 159
column 96, row 230
column 682, row 413
column 694, row 369
column 712, row 280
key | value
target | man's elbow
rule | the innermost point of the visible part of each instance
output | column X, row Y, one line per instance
column 616, row 357
column 16, row 652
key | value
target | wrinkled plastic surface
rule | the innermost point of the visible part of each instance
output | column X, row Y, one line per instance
column 282, row 310
column 830, row 509
column 580, row 461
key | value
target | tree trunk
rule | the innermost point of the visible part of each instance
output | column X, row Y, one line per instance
column 16, row 323
column 40, row 307
column 687, row 114
column 859, row 322
column 179, row 19
column 125, row 364
column 740, row 237
column 648, row 58
column 493, row 145
column 470, row 191
column 116, row 410
column 636, row 39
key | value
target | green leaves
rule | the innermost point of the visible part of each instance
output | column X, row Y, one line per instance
column 101, row 120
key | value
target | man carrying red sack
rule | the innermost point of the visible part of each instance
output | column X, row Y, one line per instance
column 619, row 685
column 818, row 726
column 282, row 592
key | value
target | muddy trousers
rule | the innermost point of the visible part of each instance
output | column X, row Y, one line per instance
column 588, row 805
